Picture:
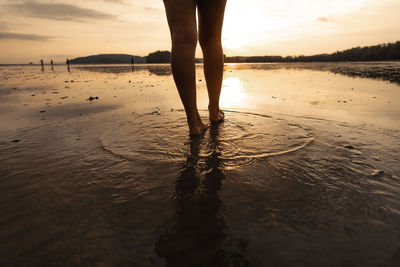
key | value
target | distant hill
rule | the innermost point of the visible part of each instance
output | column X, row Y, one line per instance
column 108, row 59
column 390, row 51
column 159, row 57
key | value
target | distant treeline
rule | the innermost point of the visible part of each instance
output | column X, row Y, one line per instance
column 389, row 51
column 155, row 57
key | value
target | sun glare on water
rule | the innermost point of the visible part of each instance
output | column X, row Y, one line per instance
column 233, row 92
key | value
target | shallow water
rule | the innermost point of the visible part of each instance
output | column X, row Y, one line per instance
column 303, row 172
column 240, row 139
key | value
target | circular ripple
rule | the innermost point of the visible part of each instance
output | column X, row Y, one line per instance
column 238, row 141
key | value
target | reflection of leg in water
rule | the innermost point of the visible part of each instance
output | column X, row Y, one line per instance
column 197, row 236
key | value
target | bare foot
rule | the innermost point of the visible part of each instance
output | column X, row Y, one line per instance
column 196, row 127
column 216, row 115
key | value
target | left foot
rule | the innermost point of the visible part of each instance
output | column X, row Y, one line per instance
column 196, row 127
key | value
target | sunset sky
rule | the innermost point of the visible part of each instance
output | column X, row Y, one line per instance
column 31, row 30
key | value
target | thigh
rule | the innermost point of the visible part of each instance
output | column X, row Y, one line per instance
column 211, row 18
column 181, row 16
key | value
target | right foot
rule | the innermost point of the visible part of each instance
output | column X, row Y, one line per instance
column 216, row 115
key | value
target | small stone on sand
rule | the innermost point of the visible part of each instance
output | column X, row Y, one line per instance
column 91, row 98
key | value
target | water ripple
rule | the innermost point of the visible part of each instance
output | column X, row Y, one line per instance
column 244, row 137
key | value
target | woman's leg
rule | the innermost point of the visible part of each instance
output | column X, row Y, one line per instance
column 181, row 15
column 211, row 17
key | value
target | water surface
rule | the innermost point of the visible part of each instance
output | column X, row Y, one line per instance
column 303, row 172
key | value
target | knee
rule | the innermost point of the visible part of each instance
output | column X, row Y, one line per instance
column 213, row 41
column 188, row 39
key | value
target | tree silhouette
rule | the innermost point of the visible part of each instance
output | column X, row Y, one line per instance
column 390, row 51
column 159, row 57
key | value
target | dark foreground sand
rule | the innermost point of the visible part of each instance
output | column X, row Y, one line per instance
column 303, row 172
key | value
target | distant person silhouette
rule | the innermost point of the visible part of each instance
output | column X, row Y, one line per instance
column 68, row 65
column 132, row 63
column 41, row 64
column 52, row 66
column 181, row 16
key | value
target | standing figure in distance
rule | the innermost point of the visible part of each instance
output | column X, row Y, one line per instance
column 68, row 65
column 132, row 63
column 42, row 64
column 181, row 16
column 52, row 65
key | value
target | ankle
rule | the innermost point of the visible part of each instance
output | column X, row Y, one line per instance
column 213, row 108
column 192, row 116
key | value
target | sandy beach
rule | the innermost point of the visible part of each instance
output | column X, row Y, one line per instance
column 97, row 167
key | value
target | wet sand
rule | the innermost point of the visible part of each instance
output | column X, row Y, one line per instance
column 97, row 168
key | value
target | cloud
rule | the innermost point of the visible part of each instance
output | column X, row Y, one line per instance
column 56, row 11
column 116, row 1
column 122, row 2
column 152, row 9
column 322, row 19
column 23, row 36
